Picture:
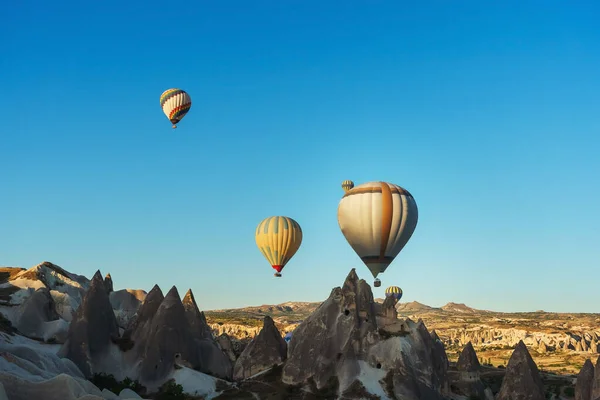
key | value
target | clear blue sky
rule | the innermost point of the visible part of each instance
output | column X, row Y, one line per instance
column 488, row 112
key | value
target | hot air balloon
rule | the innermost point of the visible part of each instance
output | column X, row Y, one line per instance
column 394, row 291
column 175, row 104
column 278, row 238
column 377, row 219
column 347, row 185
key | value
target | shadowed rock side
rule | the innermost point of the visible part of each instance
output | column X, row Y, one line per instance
column 212, row 359
column 522, row 380
column 166, row 337
column 596, row 384
column 264, row 351
column 108, row 283
column 92, row 329
column 440, row 362
column 39, row 319
column 226, row 345
column 585, row 381
column 343, row 338
column 140, row 323
column 469, row 374
column 197, row 320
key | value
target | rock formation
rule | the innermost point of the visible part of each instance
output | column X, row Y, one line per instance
column 212, row 360
column 227, row 346
column 469, row 374
column 198, row 325
column 596, row 383
column 342, row 338
column 38, row 318
column 166, row 336
column 108, row 283
column 126, row 304
column 585, row 381
column 264, row 351
column 440, row 362
column 522, row 380
column 92, row 329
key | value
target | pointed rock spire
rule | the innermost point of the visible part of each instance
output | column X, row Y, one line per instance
column 522, row 380
column 267, row 349
column 585, row 382
column 467, row 361
column 198, row 324
column 92, row 329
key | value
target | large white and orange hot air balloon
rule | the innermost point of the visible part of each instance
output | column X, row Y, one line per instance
column 377, row 219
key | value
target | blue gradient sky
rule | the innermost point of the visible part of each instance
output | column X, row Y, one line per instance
column 488, row 113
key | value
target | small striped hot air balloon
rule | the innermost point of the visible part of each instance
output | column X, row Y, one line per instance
column 278, row 239
column 347, row 185
column 377, row 219
column 394, row 291
column 175, row 104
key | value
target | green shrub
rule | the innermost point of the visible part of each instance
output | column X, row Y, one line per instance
column 171, row 391
column 569, row 391
column 108, row 381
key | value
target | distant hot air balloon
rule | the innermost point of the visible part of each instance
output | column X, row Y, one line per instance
column 394, row 291
column 175, row 104
column 377, row 219
column 278, row 238
column 347, row 185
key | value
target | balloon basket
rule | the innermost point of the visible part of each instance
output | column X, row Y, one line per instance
column 174, row 126
column 377, row 283
column 277, row 274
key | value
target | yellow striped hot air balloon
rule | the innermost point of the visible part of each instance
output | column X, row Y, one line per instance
column 175, row 104
column 278, row 239
column 347, row 185
column 377, row 219
column 394, row 291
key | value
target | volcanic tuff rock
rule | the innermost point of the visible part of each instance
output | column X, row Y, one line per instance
column 92, row 328
column 264, row 351
column 126, row 303
column 37, row 318
column 167, row 336
column 522, row 380
column 342, row 341
column 140, row 323
column 196, row 319
column 469, row 382
column 467, row 361
column 585, row 381
column 227, row 346
column 108, row 283
column 440, row 361
column 596, row 384
column 212, row 360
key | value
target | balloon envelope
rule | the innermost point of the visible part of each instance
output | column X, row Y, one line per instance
column 377, row 219
column 394, row 291
column 175, row 104
column 278, row 239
